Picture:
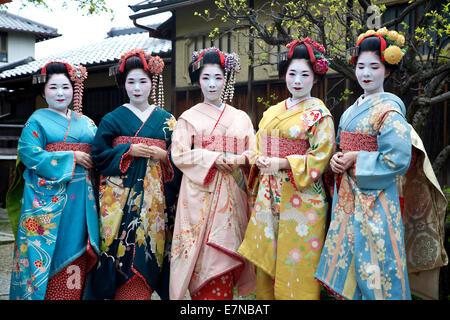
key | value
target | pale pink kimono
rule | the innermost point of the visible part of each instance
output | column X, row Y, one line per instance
column 213, row 208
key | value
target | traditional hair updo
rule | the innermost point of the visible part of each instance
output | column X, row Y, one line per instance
column 373, row 44
column 209, row 57
column 133, row 62
column 152, row 66
column 43, row 75
column 314, row 55
column 229, row 63
column 384, row 43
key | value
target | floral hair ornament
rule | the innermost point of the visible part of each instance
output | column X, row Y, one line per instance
column 391, row 54
column 156, row 67
column 231, row 64
column 78, row 74
column 319, row 61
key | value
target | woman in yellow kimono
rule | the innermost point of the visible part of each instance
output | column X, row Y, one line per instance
column 295, row 141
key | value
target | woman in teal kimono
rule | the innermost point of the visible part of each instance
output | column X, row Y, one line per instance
column 138, row 187
column 51, row 201
column 372, row 240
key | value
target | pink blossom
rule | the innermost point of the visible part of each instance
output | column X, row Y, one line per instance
column 295, row 255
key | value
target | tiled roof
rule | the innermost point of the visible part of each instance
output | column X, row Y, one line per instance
column 108, row 50
column 11, row 22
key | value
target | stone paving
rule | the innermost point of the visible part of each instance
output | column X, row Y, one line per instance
column 6, row 254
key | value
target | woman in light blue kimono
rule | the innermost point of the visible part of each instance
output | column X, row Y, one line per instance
column 375, row 238
column 51, row 205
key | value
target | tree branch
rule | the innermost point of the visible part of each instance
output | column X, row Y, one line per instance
column 441, row 159
column 440, row 98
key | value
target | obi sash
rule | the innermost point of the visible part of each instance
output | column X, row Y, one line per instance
column 355, row 141
column 148, row 141
column 272, row 146
column 220, row 143
column 66, row 146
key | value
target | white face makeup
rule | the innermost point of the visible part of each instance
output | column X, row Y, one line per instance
column 370, row 72
column 138, row 86
column 58, row 92
column 299, row 79
column 212, row 82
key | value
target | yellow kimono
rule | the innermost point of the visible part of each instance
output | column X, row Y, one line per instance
column 286, row 230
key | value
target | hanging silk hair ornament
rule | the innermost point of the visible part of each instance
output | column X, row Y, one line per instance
column 78, row 74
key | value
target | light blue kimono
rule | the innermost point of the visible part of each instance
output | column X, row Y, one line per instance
column 58, row 214
column 364, row 252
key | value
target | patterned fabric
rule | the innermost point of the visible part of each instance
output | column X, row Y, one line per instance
column 58, row 214
column 135, row 289
column 213, row 207
column 68, row 284
column 286, row 229
column 64, row 146
column 364, row 253
column 220, row 143
column 355, row 141
column 282, row 147
column 148, row 141
column 136, row 206
column 219, row 289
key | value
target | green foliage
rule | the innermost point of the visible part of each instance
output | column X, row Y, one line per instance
column 89, row 7
column 267, row 103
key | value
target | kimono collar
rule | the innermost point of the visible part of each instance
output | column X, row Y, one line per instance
column 355, row 110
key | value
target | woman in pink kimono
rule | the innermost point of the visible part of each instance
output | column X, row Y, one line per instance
column 211, row 145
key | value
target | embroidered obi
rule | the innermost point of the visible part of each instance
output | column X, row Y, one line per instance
column 134, row 140
column 66, row 146
column 279, row 147
column 355, row 141
column 220, row 143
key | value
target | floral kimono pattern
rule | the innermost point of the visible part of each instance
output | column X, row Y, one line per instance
column 213, row 207
column 364, row 253
column 137, row 197
column 287, row 226
column 58, row 219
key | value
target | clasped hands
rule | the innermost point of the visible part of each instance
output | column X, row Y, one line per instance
column 141, row 150
column 230, row 163
column 341, row 162
column 270, row 165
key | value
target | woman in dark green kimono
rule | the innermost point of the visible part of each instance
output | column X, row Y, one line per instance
column 138, row 186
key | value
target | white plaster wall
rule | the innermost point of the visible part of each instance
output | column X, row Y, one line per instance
column 20, row 46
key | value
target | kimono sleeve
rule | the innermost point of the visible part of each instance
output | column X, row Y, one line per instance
column 379, row 169
column 108, row 160
column 196, row 164
column 55, row 166
column 308, row 168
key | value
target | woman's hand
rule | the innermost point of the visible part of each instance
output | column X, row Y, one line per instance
column 141, row 150
column 222, row 165
column 234, row 161
column 83, row 159
column 341, row 162
column 268, row 165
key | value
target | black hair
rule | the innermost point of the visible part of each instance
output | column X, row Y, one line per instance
column 300, row 52
column 373, row 44
column 133, row 62
column 51, row 69
column 209, row 57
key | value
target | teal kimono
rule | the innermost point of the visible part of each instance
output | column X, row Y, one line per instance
column 364, row 253
column 137, row 198
column 58, row 212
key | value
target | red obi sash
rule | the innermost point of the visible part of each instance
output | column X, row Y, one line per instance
column 354, row 141
column 148, row 141
column 282, row 147
column 220, row 143
column 65, row 146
